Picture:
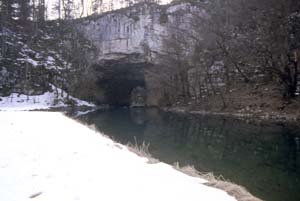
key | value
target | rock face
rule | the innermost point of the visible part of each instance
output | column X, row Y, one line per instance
column 126, row 31
column 127, row 42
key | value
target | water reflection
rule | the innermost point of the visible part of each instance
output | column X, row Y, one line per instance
column 263, row 158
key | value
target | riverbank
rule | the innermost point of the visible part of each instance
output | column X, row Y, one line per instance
column 252, row 116
column 244, row 101
column 47, row 156
column 235, row 149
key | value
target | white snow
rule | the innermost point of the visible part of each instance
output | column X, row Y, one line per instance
column 48, row 157
column 20, row 102
column 50, row 64
column 81, row 113
column 28, row 60
column 47, row 37
column 31, row 61
column 50, row 60
column 9, row 43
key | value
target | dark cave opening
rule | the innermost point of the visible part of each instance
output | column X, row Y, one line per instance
column 119, row 82
column 119, row 91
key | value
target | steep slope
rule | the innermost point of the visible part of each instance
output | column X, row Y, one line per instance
column 35, row 63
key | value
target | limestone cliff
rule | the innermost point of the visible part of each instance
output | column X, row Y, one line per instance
column 127, row 42
column 123, row 32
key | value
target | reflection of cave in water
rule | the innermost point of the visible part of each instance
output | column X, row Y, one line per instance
column 263, row 158
column 291, row 139
column 138, row 116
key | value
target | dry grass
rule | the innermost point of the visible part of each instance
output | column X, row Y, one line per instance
column 142, row 150
column 240, row 193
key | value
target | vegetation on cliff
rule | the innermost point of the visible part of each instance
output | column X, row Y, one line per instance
column 233, row 55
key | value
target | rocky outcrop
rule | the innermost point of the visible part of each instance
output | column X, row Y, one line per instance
column 106, row 59
column 127, row 42
column 127, row 31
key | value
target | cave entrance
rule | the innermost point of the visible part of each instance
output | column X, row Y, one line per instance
column 120, row 91
column 123, row 86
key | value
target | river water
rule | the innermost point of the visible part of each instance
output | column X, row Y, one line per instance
column 264, row 158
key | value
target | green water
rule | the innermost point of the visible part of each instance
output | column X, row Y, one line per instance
column 263, row 158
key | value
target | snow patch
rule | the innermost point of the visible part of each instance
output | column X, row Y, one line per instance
column 32, row 62
column 21, row 102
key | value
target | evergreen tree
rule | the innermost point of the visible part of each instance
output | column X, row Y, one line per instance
column 41, row 13
column 24, row 12
column 7, row 12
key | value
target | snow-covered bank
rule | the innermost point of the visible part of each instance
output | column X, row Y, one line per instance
column 20, row 102
column 46, row 157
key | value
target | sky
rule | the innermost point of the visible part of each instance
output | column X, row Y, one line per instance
column 106, row 3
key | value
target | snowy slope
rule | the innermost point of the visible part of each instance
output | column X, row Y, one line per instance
column 67, row 161
column 20, row 102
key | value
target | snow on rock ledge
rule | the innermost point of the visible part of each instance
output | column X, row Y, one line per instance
column 68, row 161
